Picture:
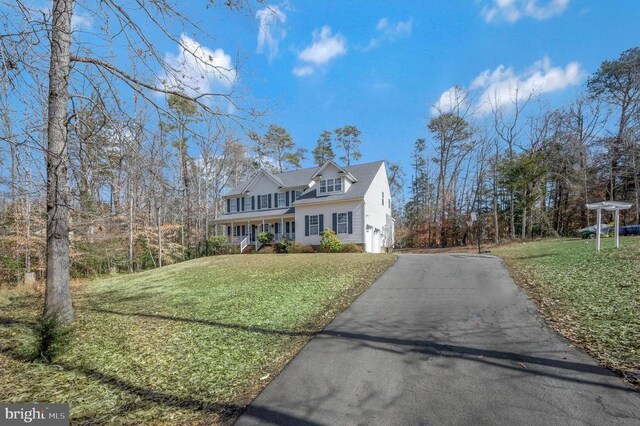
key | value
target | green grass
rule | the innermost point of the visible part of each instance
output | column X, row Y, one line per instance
column 593, row 299
column 191, row 343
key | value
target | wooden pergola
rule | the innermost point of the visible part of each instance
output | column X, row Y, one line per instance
column 614, row 206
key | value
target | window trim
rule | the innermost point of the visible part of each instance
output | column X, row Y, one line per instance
column 317, row 224
column 233, row 206
column 325, row 185
column 264, row 202
column 345, row 216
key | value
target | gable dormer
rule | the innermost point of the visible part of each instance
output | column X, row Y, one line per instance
column 330, row 179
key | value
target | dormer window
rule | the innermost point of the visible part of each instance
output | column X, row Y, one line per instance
column 330, row 185
column 233, row 206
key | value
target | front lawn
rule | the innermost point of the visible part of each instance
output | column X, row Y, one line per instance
column 593, row 299
column 190, row 343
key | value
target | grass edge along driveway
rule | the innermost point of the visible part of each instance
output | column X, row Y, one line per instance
column 191, row 343
column 591, row 299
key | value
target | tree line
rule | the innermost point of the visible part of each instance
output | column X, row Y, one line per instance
column 526, row 170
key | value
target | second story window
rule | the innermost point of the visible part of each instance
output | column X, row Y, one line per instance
column 282, row 199
column 264, row 201
column 247, row 203
column 330, row 185
column 233, row 206
column 297, row 194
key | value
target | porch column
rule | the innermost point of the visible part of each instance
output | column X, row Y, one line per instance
column 249, row 229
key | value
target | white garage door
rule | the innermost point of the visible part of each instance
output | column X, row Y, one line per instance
column 375, row 241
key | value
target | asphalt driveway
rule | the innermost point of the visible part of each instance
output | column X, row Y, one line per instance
column 443, row 339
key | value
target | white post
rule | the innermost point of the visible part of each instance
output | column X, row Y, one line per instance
column 598, row 228
column 617, row 225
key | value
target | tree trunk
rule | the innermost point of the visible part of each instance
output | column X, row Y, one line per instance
column 58, row 289
column 131, row 228
column 523, row 231
column 158, row 218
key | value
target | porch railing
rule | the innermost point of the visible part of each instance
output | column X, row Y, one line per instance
column 244, row 243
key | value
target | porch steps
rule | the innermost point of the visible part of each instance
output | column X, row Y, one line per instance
column 248, row 249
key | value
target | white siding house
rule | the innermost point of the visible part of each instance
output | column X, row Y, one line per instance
column 354, row 201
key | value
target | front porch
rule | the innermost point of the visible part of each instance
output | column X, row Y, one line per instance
column 245, row 233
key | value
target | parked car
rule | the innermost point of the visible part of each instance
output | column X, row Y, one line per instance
column 630, row 230
column 590, row 231
column 609, row 231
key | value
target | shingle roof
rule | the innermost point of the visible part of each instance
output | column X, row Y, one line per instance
column 255, row 214
column 364, row 173
column 291, row 179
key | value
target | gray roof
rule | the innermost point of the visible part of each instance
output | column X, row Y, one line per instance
column 292, row 179
column 254, row 214
column 364, row 173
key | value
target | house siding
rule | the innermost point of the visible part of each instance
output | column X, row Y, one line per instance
column 376, row 213
column 327, row 209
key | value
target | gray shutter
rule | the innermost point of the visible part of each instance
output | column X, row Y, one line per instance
column 237, row 204
column 306, row 225
column 269, row 200
column 259, row 198
column 228, row 205
column 335, row 222
column 275, row 200
column 321, row 223
column 287, row 198
column 293, row 227
column 242, row 203
column 287, row 227
column 253, row 202
column 350, row 220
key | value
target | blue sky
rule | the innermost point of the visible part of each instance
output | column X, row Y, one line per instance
column 381, row 65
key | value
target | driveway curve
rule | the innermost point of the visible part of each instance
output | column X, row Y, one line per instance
column 443, row 339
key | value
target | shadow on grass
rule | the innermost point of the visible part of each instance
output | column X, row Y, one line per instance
column 425, row 347
column 535, row 256
column 12, row 322
column 227, row 412
column 249, row 328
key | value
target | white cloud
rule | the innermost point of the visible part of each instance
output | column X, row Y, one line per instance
column 197, row 69
column 325, row 47
column 501, row 86
column 303, row 70
column 81, row 22
column 387, row 31
column 452, row 100
column 513, row 10
column 271, row 30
